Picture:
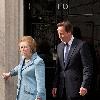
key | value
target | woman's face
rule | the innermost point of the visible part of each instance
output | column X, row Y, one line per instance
column 25, row 49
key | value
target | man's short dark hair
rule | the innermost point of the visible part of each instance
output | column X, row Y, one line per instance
column 67, row 24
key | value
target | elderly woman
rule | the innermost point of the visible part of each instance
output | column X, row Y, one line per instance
column 30, row 71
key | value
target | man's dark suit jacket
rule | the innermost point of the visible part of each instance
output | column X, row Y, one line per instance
column 76, row 72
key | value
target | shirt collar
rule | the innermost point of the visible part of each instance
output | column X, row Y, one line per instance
column 70, row 42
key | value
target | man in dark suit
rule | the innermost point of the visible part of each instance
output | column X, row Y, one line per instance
column 74, row 70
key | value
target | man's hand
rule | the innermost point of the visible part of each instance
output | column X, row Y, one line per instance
column 83, row 91
column 54, row 92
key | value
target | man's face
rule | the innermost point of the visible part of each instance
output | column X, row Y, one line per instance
column 63, row 35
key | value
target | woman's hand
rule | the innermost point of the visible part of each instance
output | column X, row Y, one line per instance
column 6, row 75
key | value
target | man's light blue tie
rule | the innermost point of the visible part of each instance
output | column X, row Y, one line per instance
column 66, row 52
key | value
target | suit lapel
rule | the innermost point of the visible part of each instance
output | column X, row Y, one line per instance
column 30, row 62
column 71, row 51
column 61, row 52
column 20, row 70
column 27, row 65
